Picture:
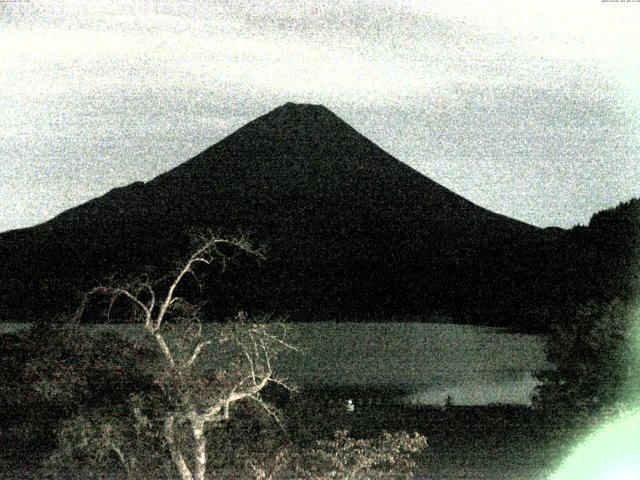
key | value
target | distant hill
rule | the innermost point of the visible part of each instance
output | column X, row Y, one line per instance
column 602, row 259
column 351, row 232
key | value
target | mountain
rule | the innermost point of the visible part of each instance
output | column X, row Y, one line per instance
column 350, row 232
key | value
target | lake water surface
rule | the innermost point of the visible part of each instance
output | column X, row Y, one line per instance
column 474, row 365
column 430, row 361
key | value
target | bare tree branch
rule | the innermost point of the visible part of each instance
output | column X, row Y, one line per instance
column 271, row 412
column 164, row 348
column 120, row 456
column 174, row 450
column 196, row 352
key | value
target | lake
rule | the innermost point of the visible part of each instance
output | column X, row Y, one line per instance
column 474, row 365
column 430, row 361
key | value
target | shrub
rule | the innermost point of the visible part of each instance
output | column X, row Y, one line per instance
column 592, row 362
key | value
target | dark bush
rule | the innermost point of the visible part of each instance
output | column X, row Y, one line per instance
column 593, row 362
column 54, row 371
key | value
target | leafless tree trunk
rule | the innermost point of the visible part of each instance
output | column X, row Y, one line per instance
column 174, row 450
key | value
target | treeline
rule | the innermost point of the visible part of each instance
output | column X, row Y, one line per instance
column 551, row 279
column 592, row 344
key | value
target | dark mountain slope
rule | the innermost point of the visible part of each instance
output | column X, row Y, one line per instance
column 349, row 229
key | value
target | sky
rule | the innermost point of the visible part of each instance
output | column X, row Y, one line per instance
column 528, row 108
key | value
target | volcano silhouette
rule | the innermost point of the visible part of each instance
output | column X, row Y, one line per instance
column 349, row 230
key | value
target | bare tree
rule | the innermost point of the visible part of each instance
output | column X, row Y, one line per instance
column 196, row 395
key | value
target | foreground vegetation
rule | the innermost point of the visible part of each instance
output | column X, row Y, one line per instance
column 80, row 404
column 144, row 406
column 40, row 427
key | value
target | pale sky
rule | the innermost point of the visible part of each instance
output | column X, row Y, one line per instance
column 528, row 108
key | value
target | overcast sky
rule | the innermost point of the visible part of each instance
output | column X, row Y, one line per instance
column 530, row 109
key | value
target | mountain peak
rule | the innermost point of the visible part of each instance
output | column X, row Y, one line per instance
column 291, row 112
column 306, row 107
column 299, row 122
column 303, row 110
